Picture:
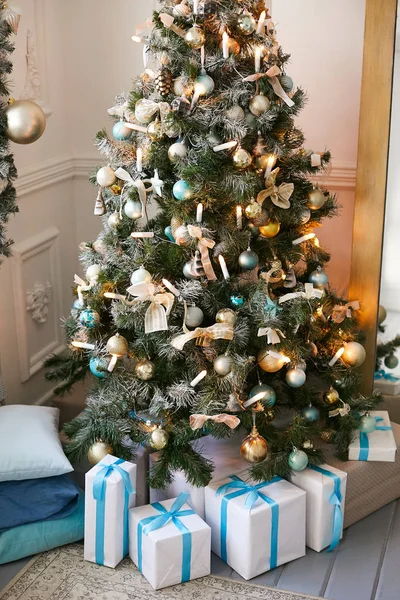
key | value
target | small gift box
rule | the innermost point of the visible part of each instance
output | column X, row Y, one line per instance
column 326, row 492
column 386, row 383
column 256, row 527
column 110, row 493
column 169, row 543
column 379, row 445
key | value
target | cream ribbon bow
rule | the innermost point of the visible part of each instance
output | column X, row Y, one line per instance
column 280, row 196
column 83, row 286
column 272, row 75
column 309, row 293
column 342, row 411
column 339, row 313
column 139, row 184
column 170, row 128
column 272, row 334
column 160, row 305
column 204, row 245
column 203, row 335
column 197, row 421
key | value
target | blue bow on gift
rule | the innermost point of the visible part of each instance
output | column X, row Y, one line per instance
column 145, row 526
column 381, row 374
column 335, row 499
column 99, row 494
column 253, row 494
column 364, row 443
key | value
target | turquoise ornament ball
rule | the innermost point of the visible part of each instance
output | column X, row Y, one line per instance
column 391, row 361
column 236, row 300
column 286, row 82
column 89, row 318
column 121, row 132
column 98, row 367
column 168, row 233
column 264, row 393
column 182, row 190
column 298, row 460
column 367, row 424
column 248, row 260
column 311, row 414
column 319, row 278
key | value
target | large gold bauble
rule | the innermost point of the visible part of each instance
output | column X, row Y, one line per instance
column 98, row 451
column 226, row 315
column 175, row 223
column 26, row 121
column 259, row 105
column 316, row 199
column 354, row 354
column 117, row 345
column 331, row 396
column 270, row 229
column 158, row 438
column 233, row 46
column 145, row 369
column 195, row 38
column 254, row 448
column 265, row 161
column 253, row 210
column 155, row 131
column 241, row 158
column 269, row 363
column 382, row 314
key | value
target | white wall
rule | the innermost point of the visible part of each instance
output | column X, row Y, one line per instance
column 86, row 57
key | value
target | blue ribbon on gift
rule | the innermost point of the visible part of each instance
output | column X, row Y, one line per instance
column 253, row 494
column 381, row 374
column 364, row 443
column 99, row 494
column 145, row 526
column 335, row 499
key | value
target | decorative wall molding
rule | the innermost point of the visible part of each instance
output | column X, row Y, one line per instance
column 32, row 88
column 37, row 302
column 46, row 246
column 342, row 175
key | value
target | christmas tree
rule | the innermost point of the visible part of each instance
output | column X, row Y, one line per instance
column 216, row 313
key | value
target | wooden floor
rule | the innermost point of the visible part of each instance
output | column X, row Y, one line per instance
column 366, row 565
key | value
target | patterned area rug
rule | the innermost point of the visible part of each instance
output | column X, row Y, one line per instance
column 62, row 574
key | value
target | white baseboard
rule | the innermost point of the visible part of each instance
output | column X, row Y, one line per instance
column 45, row 400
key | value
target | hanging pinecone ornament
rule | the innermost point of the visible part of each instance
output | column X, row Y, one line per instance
column 197, row 266
column 163, row 81
column 294, row 138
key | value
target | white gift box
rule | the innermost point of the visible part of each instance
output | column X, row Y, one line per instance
column 225, row 455
column 254, row 538
column 379, row 445
column 107, row 503
column 387, row 385
column 326, row 492
column 176, row 550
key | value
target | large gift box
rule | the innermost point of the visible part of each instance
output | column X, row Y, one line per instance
column 169, row 543
column 326, row 491
column 379, row 445
column 225, row 455
column 386, row 383
column 110, row 493
column 256, row 527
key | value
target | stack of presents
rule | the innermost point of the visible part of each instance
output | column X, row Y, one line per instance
column 253, row 527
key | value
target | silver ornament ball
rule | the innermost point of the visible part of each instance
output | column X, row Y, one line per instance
column 316, row 199
column 223, row 364
column 247, row 23
column 241, row 158
column 248, row 260
column 235, row 113
column 354, row 354
column 133, row 209
column 145, row 369
column 158, row 439
column 295, row 378
column 194, row 316
column 226, row 315
column 26, row 121
column 259, row 105
column 188, row 272
column 204, row 84
column 114, row 220
column 305, row 215
column 177, row 151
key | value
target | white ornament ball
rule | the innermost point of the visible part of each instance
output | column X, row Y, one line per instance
column 93, row 272
column 354, row 354
column 140, row 276
column 236, row 113
column 177, row 151
column 182, row 236
column 133, row 209
column 259, row 105
column 295, row 378
column 223, row 365
column 106, row 177
column 194, row 316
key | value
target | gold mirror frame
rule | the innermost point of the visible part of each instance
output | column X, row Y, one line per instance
column 373, row 149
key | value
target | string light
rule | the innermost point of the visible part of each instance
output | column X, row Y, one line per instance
column 239, row 217
column 139, row 160
column 84, row 345
column 261, row 23
column 171, row 288
column 279, row 356
column 257, row 59
column 225, row 146
column 304, row 238
column 223, row 266
column 136, row 127
column 225, row 45
column 271, row 162
column 199, row 213
column 138, row 39
column 338, row 354
column 199, row 378
column 142, row 234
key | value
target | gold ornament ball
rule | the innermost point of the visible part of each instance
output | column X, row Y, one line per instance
column 195, row 38
column 26, row 121
column 259, row 105
column 117, row 345
column 233, row 46
column 264, row 161
column 331, row 396
column 308, row 444
column 241, row 158
column 253, row 210
column 145, row 369
column 270, row 229
column 269, row 414
column 269, row 363
column 98, row 451
column 382, row 314
column 155, row 131
column 227, row 316
column 354, row 354
column 158, row 438
column 327, row 435
column 247, row 23
column 254, row 447
column 114, row 220
column 316, row 199
column 175, row 223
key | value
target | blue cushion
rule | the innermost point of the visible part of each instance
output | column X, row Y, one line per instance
column 33, row 538
column 32, row 500
column 30, row 447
